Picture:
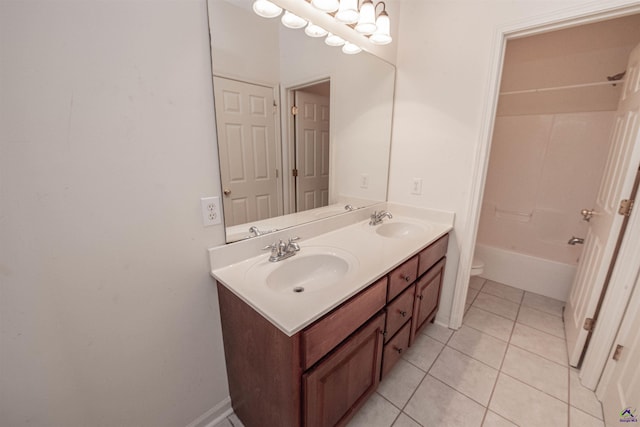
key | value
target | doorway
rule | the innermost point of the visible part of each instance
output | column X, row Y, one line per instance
column 589, row 378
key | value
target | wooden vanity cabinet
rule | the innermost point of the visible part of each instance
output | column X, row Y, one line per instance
column 323, row 374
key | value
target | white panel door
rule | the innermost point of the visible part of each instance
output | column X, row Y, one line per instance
column 619, row 389
column 604, row 227
column 312, row 150
column 245, row 120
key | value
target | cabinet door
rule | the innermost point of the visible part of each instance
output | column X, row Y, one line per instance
column 341, row 383
column 427, row 297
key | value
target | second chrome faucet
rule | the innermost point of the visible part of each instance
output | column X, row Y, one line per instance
column 377, row 217
column 282, row 250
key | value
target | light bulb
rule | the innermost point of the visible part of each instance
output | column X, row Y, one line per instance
column 350, row 48
column 333, row 40
column 266, row 9
column 290, row 20
column 326, row 5
column 348, row 11
column 381, row 35
column 314, row 30
column 367, row 20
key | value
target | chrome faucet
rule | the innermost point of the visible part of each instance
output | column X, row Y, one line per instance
column 575, row 240
column 349, row 208
column 377, row 217
column 257, row 232
column 282, row 250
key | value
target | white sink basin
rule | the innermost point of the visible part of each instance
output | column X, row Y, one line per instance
column 311, row 269
column 400, row 230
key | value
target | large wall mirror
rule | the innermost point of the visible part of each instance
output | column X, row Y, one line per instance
column 303, row 129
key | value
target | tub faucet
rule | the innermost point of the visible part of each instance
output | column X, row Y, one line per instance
column 377, row 217
column 575, row 240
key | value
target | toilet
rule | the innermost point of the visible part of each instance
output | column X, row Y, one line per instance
column 477, row 266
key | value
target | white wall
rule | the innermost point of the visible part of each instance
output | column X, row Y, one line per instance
column 444, row 63
column 108, row 314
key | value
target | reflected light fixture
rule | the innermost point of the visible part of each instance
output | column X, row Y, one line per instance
column 291, row 20
column 350, row 48
column 326, row 5
column 362, row 19
column 333, row 40
column 266, row 9
column 313, row 30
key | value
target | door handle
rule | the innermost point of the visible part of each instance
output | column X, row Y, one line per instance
column 587, row 214
column 226, row 191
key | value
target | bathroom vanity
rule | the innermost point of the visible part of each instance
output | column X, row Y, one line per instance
column 319, row 372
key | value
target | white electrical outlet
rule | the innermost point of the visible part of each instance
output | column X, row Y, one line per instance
column 416, row 186
column 364, row 180
column 210, row 210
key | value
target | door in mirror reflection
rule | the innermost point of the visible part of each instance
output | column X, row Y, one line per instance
column 311, row 124
column 246, row 124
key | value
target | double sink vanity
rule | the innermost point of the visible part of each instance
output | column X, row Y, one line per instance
column 309, row 335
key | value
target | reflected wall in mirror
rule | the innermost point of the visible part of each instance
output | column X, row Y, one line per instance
column 280, row 169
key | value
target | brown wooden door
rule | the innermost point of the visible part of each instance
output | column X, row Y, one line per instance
column 341, row 383
column 427, row 296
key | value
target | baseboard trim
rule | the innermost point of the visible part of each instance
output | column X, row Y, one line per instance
column 214, row 415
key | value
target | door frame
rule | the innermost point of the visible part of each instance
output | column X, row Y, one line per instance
column 590, row 373
column 288, row 139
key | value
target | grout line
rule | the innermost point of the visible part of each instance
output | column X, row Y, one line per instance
column 496, row 314
column 534, row 387
column 540, row 355
column 486, row 333
column 541, row 311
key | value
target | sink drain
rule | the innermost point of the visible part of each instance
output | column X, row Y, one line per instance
column 298, row 289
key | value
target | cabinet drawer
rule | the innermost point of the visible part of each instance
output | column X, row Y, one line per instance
column 399, row 311
column 395, row 348
column 432, row 254
column 326, row 333
column 402, row 277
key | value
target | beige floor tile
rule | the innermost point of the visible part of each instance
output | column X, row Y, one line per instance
column 376, row 412
column 577, row 418
column 545, row 322
column 476, row 282
column 466, row 308
column 438, row 332
column 496, row 305
column 478, row 345
column 537, row 372
column 436, row 404
column 542, row 303
column 540, row 343
column 526, row 406
column 489, row 323
column 423, row 352
column 400, row 383
column 405, row 421
column 503, row 291
column 468, row 376
column 494, row 420
column 471, row 295
column 583, row 398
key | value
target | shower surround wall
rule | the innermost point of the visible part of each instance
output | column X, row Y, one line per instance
column 544, row 169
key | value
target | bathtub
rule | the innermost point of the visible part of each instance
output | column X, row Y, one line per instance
column 539, row 275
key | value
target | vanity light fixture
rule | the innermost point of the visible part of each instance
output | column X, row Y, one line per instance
column 291, row 20
column 333, row 40
column 266, row 9
column 350, row 48
column 327, row 6
column 363, row 20
column 313, row 30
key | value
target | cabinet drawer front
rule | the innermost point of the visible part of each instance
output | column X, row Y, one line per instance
column 399, row 311
column 395, row 348
column 402, row 277
column 432, row 254
column 320, row 338
column 338, row 386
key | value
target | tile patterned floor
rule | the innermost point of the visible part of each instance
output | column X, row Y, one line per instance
column 506, row 366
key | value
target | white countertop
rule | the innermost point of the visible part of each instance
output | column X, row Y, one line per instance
column 374, row 256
